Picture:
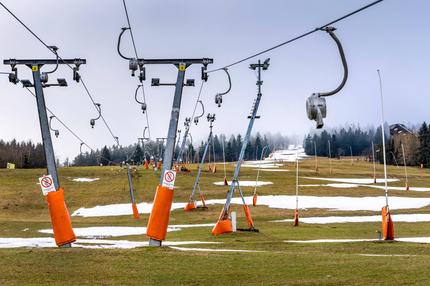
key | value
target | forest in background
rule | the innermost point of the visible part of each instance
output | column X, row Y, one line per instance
column 343, row 140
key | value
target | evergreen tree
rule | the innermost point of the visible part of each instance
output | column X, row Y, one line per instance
column 105, row 156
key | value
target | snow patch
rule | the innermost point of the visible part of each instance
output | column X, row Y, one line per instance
column 371, row 218
column 246, row 183
column 85, row 180
column 339, row 203
column 352, row 180
column 45, row 242
column 115, row 231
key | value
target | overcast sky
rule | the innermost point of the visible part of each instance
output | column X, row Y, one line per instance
column 392, row 36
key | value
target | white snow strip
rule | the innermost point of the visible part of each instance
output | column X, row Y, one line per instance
column 352, row 181
column 86, row 180
column 385, row 255
column 115, row 231
column 212, row 249
column 371, row 218
column 402, row 239
column 414, row 239
column 272, row 170
column 329, row 240
column 44, row 242
column 414, row 189
column 246, row 183
column 339, row 203
column 263, row 166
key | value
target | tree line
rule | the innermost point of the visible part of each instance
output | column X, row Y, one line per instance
column 154, row 150
column 416, row 145
column 22, row 154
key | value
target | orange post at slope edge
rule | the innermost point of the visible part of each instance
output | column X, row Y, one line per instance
column 159, row 217
column 60, row 218
column 387, row 225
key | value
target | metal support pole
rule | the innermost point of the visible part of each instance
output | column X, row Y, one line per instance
column 406, row 171
column 173, row 125
column 171, row 135
column 374, row 163
column 196, row 183
column 224, row 214
column 259, row 168
column 44, row 127
column 130, row 183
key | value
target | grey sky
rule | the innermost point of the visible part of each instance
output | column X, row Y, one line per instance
column 392, row 36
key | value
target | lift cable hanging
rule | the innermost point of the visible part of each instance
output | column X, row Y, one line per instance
column 192, row 202
column 142, row 103
column 316, row 107
column 298, row 37
column 82, row 142
column 133, row 63
column 224, row 224
column 187, row 121
column 56, row 131
column 218, row 96
column 76, row 76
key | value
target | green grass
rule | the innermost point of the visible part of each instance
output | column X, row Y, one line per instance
column 279, row 263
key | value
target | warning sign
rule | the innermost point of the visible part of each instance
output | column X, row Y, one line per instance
column 169, row 179
column 47, row 184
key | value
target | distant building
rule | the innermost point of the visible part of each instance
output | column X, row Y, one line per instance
column 400, row 134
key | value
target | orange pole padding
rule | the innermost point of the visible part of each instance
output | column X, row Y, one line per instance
column 203, row 200
column 296, row 218
column 146, row 164
column 60, row 219
column 160, row 165
column 190, row 206
column 248, row 216
column 135, row 211
column 225, row 181
column 222, row 226
column 387, row 225
column 254, row 200
column 159, row 217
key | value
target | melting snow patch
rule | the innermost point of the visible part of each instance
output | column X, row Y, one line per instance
column 263, row 166
column 212, row 249
column 114, row 231
column 372, row 218
column 86, row 180
column 339, row 203
column 44, row 242
column 273, row 170
column 415, row 189
column 352, row 181
column 246, row 183
column 402, row 239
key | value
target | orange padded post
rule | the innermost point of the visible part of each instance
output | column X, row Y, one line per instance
column 203, row 200
column 146, row 164
column 387, row 225
column 222, row 226
column 60, row 219
column 135, row 211
column 296, row 218
column 160, row 165
column 190, row 206
column 248, row 216
column 254, row 200
column 159, row 217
